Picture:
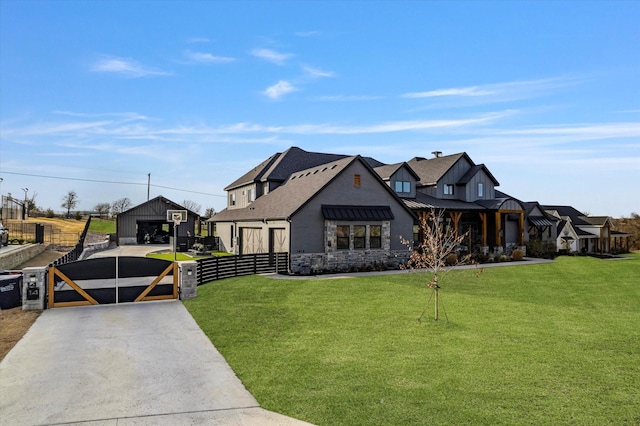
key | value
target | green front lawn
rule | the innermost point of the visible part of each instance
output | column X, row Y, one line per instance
column 542, row 344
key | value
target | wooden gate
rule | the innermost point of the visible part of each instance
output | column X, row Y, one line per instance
column 112, row 280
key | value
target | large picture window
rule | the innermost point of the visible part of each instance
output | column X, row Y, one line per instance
column 359, row 236
column 342, row 232
column 375, row 236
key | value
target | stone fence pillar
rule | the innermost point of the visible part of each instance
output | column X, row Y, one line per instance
column 34, row 288
column 188, row 281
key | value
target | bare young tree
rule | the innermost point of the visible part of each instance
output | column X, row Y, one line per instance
column 120, row 205
column 209, row 212
column 102, row 209
column 70, row 201
column 438, row 243
column 192, row 205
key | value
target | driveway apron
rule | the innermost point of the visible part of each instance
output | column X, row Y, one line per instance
column 128, row 364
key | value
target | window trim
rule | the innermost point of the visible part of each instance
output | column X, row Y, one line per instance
column 359, row 242
column 448, row 189
column 342, row 239
column 377, row 238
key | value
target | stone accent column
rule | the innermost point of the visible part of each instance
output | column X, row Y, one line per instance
column 188, row 281
column 34, row 287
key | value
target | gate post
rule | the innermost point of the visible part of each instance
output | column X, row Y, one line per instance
column 34, row 286
column 188, row 272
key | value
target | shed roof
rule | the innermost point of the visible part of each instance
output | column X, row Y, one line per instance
column 364, row 213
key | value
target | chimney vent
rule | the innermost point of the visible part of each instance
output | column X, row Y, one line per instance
column 437, row 154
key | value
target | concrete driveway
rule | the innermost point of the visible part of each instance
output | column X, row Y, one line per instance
column 132, row 250
column 130, row 364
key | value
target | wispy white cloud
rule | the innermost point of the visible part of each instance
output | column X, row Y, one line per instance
column 207, row 58
column 317, row 73
column 279, row 89
column 307, row 33
column 462, row 91
column 126, row 67
column 500, row 92
column 273, row 56
column 346, row 98
column 193, row 40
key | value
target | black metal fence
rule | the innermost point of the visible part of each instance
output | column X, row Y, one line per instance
column 217, row 268
column 75, row 253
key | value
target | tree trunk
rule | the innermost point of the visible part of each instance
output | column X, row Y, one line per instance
column 436, row 303
column 435, row 288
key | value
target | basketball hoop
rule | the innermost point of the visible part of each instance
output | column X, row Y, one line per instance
column 177, row 218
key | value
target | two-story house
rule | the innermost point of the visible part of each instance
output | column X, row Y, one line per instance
column 332, row 211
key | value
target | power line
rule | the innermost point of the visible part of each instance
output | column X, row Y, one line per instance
column 112, row 182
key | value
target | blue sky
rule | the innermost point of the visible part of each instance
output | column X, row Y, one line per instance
column 95, row 95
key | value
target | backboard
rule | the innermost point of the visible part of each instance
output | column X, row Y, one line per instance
column 176, row 216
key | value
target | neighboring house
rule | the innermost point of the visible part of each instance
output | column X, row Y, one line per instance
column 541, row 226
column 334, row 215
column 147, row 223
column 593, row 234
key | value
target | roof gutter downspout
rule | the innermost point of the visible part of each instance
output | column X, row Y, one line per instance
column 288, row 219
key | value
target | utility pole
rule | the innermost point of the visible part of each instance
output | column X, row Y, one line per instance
column 148, row 184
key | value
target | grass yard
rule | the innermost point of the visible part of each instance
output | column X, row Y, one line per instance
column 543, row 344
column 183, row 256
column 102, row 226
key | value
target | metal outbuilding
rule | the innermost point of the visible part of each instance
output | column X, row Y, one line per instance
column 147, row 223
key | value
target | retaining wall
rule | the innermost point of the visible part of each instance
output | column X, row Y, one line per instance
column 13, row 258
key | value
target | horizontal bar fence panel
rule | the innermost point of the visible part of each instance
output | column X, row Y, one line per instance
column 218, row 268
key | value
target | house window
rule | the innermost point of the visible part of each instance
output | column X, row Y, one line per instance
column 416, row 234
column 359, row 236
column 480, row 190
column 265, row 188
column 375, row 236
column 356, row 181
column 448, row 189
column 403, row 186
column 342, row 233
column 251, row 196
column 232, row 199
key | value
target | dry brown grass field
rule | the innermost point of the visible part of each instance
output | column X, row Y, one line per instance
column 62, row 232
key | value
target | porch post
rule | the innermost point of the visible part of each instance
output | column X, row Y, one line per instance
column 483, row 219
column 498, row 227
column 521, row 228
column 455, row 216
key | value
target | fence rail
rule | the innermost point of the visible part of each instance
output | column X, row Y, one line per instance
column 75, row 253
column 218, row 268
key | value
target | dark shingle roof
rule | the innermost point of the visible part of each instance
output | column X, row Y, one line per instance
column 254, row 174
column 432, row 169
column 577, row 217
column 473, row 171
column 387, row 170
column 280, row 166
column 286, row 199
